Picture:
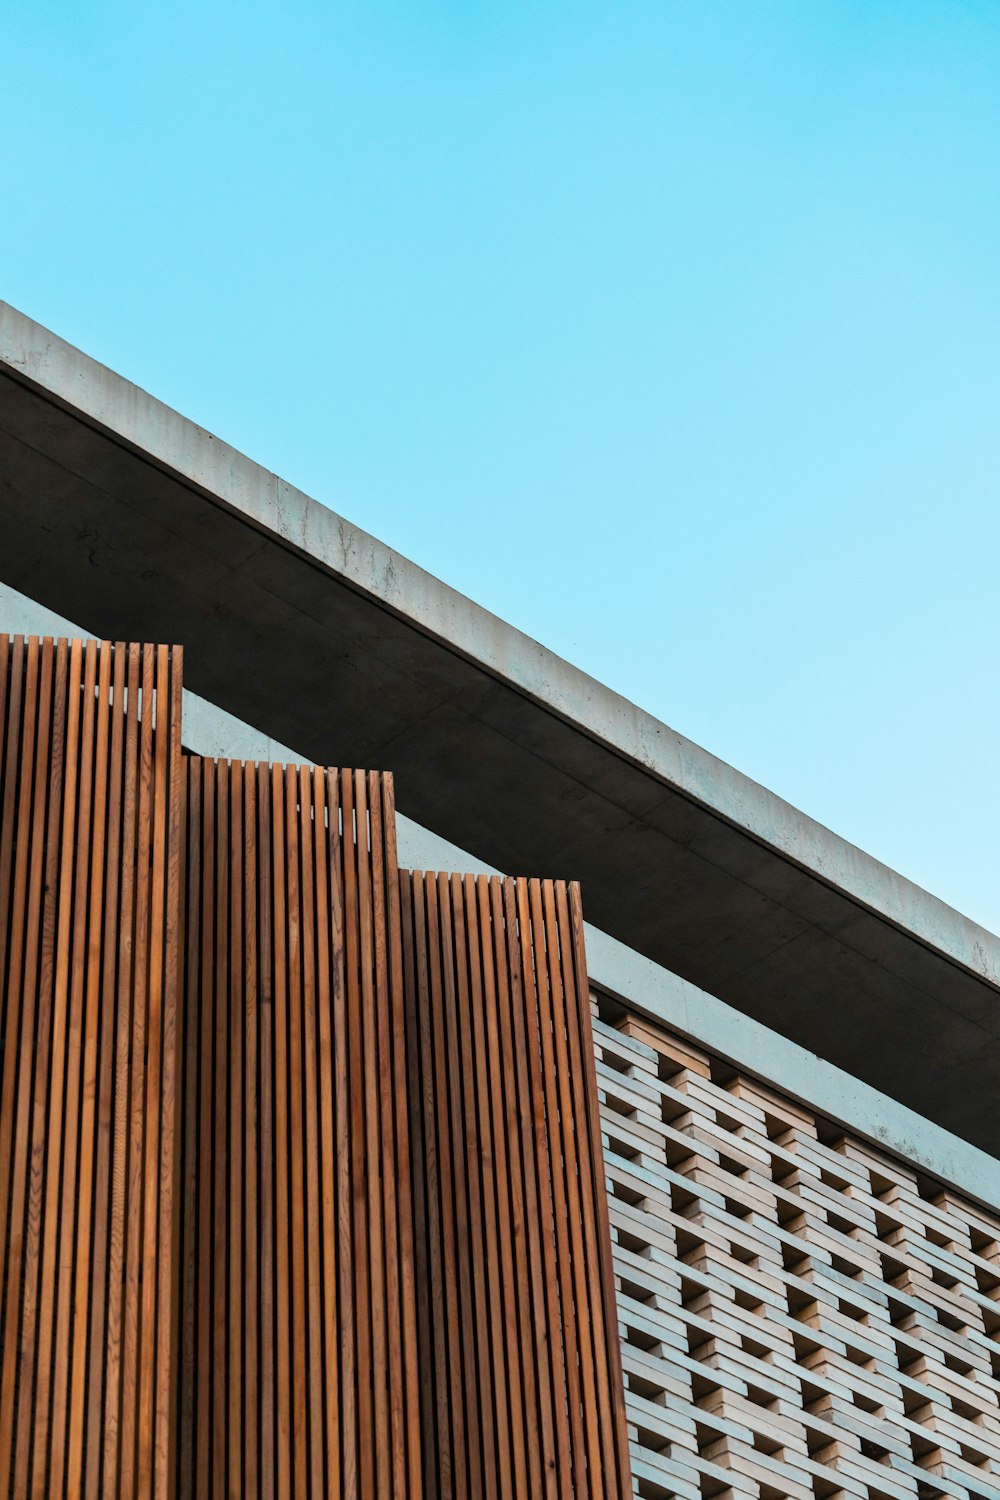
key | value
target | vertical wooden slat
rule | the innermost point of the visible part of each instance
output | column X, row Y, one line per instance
column 283, row 1374
column 476, row 1275
column 268, row 1220
column 394, row 1379
column 372, row 1126
column 164, row 1396
column 338, row 832
column 137, row 1095
column 499, row 1260
column 51, row 1433
column 296, row 1142
column 405, row 1259
column 439, row 1245
column 15, row 1113
column 12, row 660
column 16, row 882
column 566, row 1357
column 441, row 1106
column 204, row 1167
column 9, row 729
column 563, row 998
column 102, row 1170
column 15, row 873
column 33, row 1229
column 237, row 1026
column 187, row 1396
column 219, row 1105
column 465, row 1353
column 308, row 1089
column 81, row 1296
column 362, row 1298
column 153, row 1080
column 120, row 1135
column 74, row 1065
column 428, row 1304
column 509, row 1136
column 327, row 1206
column 527, row 1124
column 251, row 1164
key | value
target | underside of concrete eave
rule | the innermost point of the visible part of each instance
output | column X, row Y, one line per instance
column 119, row 513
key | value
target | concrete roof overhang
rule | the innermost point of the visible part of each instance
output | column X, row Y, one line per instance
column 116, row 511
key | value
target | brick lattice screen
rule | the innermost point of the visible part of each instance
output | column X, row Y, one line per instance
column 801, row 1315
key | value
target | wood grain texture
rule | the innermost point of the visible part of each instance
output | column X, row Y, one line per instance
column 300, row 1172
column 517, row 1325
column 298, row 1240
column 90, row 765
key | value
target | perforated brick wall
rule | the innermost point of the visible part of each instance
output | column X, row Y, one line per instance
column 801, row 1314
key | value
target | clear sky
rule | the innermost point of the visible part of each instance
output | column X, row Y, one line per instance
column 667, row 329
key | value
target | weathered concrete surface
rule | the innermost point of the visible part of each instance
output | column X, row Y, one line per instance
column 117, row 511
column 620, row 971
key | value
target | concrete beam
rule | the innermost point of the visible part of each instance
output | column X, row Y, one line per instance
column 117, row 510
column 619, row 971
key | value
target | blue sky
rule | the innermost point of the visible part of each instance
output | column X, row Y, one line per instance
column 667, row 329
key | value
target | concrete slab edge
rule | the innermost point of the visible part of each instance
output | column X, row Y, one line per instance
column 38, row 357
column 621, row 972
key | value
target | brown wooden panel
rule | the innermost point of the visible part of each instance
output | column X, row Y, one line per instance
column 520, row 1367
column 90, row 777
column 301, row 1189
column 297, row 1369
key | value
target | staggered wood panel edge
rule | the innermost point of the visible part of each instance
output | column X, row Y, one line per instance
column 248, row 1247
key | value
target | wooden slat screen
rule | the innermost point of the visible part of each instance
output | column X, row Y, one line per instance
column 521, row 1373
column 301, row 1184
column 89, row 781
column 298, row 1369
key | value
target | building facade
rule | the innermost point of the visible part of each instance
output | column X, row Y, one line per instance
column 322, row 1174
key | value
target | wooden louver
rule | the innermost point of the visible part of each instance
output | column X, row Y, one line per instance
column 301, row 1187
column 90, row 761
column 298, row 1360
column 521, row 1370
